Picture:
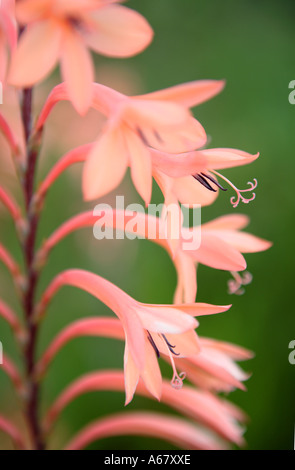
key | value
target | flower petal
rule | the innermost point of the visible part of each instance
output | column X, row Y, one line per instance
column 221, row 158
column 106, row 100
column 188, row 136
column 175, row 430
column 189, row 94
column 36, row 55
column 8, row 26
column 28, row 11
column 218, row 254
column 151, row 374
column 106, row 165
column 76, row 7
column 243, row 242
column 238, row 353
column 189, row 192
column 3, row 60
column 165, row 318
column 228, row 222
column 186, row 284
column 141, row 165
column 155, row 113
column 131, row 375
column 178, row 165
column 77, row 70
column 200, row 309
column 117, row 31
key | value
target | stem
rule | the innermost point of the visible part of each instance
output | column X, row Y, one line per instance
column 32, row 275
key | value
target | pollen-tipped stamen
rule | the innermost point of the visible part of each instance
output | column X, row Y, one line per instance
column 143, row 137
column 150, row 338
column 170, row 346
column 204, row 182
column 177, row 379
column 213, row 180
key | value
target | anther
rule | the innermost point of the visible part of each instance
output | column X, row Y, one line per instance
column 204, row 182
column 142, row 136
column 153, row 344
column 158, row 137
column 171, row 348
column 209, row 177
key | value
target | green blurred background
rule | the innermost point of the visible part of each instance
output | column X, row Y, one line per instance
column 250, row 44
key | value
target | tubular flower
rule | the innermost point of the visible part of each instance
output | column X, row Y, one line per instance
column 218, row 244
column 221, row 247
column 215, row 367
column 135, row 125
column 212, row 368
column 149, row 329
column 65, row 29
column 190, row 177
column 195, row 404
column 175, row 430
column 8, row 34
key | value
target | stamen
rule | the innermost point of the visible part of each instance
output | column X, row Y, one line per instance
column 209, row 177
column 177, row 379
column 204, row 182
column 170, row 346
column 240, row 197
column 153, row 344
column 234, row 285
column 142, row 136
column 158, row 137
column 77, row 24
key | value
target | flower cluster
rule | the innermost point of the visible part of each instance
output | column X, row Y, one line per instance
column 157, row 136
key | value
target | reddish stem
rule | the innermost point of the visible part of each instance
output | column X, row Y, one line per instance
column 32, row 275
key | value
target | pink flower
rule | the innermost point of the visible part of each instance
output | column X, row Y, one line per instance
column 157, row 425
column 8, row 34
column 215, row 367
column 158, row 120
column 221, row 243
column 135, row 125
column 209, row 364
column 213, row 413
column 63, row 30
column 189, row 177
column 221, row 247
column 149, row 329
